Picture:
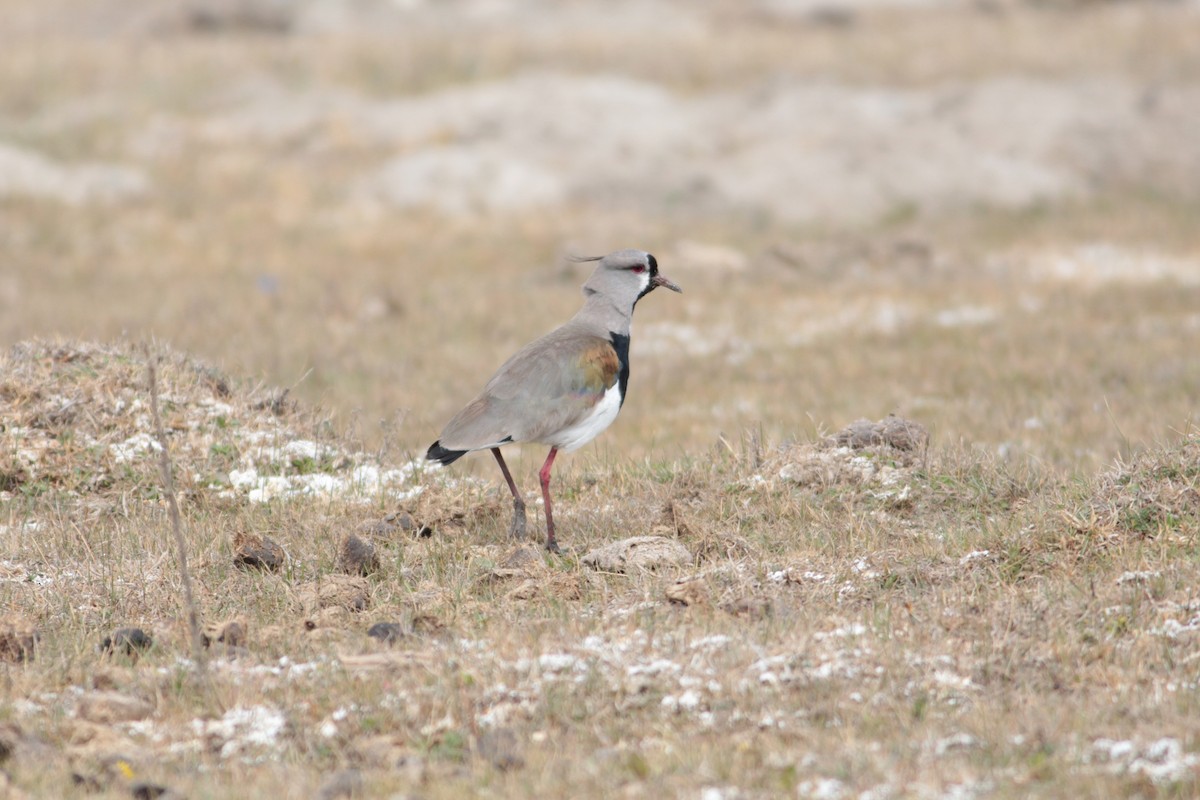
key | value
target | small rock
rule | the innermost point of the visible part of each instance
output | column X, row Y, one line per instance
column 251, row 551
column 231, row 633
column 859, row 434
column 894, row 432
column 130, row 641
column 501, row 747
column 904, row 434
column 109, row 707
column 346, row 783
column 144, row 790
column 386, row 632
column 18, row 638
column 639, row 552
column 688, row 592
column 357, row 556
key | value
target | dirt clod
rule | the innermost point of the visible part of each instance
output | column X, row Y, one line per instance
column 357, row 556
column 251, row 551
column 18, row 639
column 638, row 552
column 864, row 453
column 893, row 432
column 386, row 632
column 231, row 633
column 349, row 592
column 130, row 641
column 144, row 790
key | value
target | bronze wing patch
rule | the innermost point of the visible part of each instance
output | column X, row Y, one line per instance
column 598, row 367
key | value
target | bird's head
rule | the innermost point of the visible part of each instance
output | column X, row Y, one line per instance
column 626, row 276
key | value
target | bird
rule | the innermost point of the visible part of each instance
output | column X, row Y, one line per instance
column 563, row 389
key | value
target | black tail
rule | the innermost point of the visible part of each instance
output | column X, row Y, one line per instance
column 442, row 455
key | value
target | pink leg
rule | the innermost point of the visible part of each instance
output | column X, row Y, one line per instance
column 551, row 545
column 517, row 528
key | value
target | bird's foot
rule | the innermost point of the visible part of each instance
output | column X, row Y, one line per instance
column 561, row 550
column 517, row 528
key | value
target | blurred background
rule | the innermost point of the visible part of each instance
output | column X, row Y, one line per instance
column 981, row 215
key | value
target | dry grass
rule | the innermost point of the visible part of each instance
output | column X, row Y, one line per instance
column 897, row 621
column 1009, row 611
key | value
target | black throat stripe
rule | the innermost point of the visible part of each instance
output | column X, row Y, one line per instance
column 653, row 274
column 620, row 343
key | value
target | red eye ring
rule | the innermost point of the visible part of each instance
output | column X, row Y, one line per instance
column 639, row 269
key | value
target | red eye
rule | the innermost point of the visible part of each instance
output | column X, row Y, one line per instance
column 639, row 269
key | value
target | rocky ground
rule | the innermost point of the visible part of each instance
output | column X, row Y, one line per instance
column 862, row 616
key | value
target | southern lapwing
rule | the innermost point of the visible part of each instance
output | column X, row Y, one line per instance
column 563, row 389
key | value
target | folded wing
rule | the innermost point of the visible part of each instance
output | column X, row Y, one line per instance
column 548, row 386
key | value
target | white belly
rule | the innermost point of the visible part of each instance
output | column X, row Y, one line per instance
column 588, row 428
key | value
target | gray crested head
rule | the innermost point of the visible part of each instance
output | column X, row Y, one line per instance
column 624, row 277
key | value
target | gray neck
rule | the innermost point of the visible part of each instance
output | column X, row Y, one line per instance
column 602, row 316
